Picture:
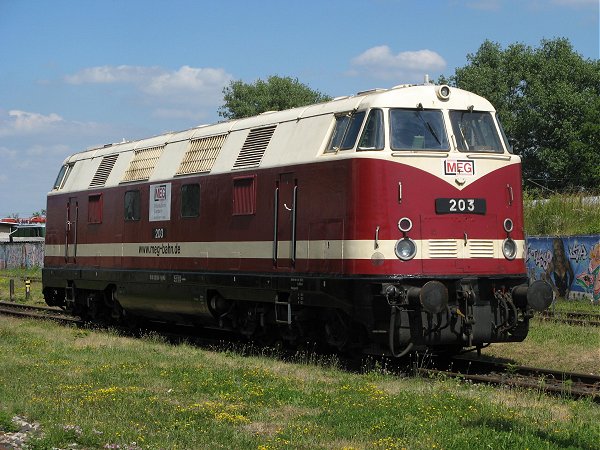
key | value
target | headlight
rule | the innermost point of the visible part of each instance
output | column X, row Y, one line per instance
column 443, row 92
column 406, row 249
column 508, row 225
column 509, row 248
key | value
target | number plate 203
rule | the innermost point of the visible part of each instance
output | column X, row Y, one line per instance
column 460, row 206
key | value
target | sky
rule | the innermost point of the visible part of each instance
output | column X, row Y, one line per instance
column 75, row 74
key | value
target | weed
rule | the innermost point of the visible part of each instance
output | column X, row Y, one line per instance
column 561, row 214
column 7, row 425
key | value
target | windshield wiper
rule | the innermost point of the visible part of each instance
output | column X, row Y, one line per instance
column 429, row 127
column 460, row 128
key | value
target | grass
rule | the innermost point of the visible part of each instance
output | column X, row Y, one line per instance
column 561, row 215
column 101, row 390
column 562, row 305
column 19, row 276
column 554, row 345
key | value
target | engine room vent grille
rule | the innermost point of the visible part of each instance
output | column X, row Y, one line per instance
column 142, row 164
column 254, row 147
column 103, row 171
column 443, row 248
column 201, row 154
column 481, row 249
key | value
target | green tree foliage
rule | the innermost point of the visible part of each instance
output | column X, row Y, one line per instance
column 548, row 99
column 275, row 94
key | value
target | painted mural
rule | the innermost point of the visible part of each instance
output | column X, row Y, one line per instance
column 15, row 255
column 571, row 264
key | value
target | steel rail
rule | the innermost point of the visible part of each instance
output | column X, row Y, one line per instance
column 37, row 312
column 570, row 384
column 571, row 318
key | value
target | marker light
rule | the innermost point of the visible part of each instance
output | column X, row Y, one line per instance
column 405, row 224
column 508, row 225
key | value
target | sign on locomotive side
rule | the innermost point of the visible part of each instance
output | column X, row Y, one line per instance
column 160, row 202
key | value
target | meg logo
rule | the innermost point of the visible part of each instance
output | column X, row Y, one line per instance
column 459, row 167
column 160, row 193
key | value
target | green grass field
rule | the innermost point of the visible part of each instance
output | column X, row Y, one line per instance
column 97, row 389
column 100, row 390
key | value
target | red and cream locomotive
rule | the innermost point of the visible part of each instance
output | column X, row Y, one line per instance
column 386, row 221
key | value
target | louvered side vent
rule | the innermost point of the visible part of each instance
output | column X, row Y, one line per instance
column 481, row 249
column 103, row 171
column 254, row 147
column 443, row 248
column 201, row 154
column 142, row 164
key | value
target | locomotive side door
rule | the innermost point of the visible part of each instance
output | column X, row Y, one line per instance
column 284, row 240
column 72, row 217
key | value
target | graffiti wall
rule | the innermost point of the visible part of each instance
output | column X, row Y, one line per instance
column 571, row 264
column 21, row 255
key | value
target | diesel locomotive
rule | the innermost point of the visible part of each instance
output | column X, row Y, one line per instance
column 383, row 222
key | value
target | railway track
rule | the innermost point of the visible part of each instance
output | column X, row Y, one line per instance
column 38, row 312
column 571, row 318
column 554, row 382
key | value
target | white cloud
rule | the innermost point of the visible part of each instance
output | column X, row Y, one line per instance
column 188, row 79
column 17, row 123
column 112, row 74
column 380, row 62
column 23, row 122
column 187, row 85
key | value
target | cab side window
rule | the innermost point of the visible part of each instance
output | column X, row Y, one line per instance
column 345, row 132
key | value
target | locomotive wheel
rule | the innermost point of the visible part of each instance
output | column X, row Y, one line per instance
column 336, row 330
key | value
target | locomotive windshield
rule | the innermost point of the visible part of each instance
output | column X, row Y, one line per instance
column 417, row 129
column 475, row 132
column 372, row 135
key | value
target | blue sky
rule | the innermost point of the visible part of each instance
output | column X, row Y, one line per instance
column 80, row 73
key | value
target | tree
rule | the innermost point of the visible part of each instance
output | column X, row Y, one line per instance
column 275, row 94
column 548, row 99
